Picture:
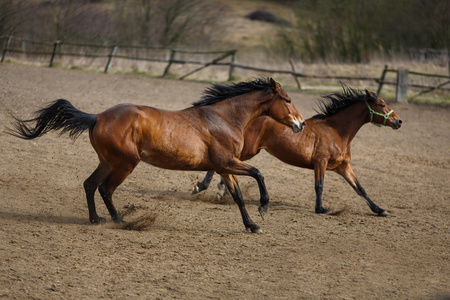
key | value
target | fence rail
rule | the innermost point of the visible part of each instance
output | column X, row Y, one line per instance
column 57, row 49
column 109, row 53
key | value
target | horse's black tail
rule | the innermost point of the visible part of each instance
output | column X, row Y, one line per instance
column 59, row 115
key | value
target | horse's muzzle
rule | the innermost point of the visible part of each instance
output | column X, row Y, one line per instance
column 298, row 126
column 396, row 124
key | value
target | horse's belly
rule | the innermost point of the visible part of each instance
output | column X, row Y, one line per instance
column 179, row 159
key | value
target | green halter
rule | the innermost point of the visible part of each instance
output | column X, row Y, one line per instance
column 372, row 112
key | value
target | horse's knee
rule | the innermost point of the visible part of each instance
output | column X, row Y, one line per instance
column 258, row 175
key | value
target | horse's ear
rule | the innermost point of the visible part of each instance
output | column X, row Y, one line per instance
column 274, row 84
column 369, row 94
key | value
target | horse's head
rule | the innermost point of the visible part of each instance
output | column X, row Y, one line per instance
column 380, row 113
column 283, row 110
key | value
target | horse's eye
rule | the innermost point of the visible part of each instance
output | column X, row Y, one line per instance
column 382, row 105
column 288, row 101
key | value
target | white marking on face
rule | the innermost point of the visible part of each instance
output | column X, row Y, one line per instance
column 296, row 126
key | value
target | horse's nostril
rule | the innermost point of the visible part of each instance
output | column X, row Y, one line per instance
column 303, row 124
column 400, row 121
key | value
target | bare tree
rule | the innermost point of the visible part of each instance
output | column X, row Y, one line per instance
column 9, row 12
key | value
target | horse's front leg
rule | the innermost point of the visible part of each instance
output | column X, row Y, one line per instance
column 319, row 175
column 346, row 171
column 233, row 186
column 204, row 184
column 237, row 167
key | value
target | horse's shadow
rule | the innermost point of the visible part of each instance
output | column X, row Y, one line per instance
column 47, row 218
column 228, row 200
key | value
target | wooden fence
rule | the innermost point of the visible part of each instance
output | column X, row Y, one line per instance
column 109, row 53
column 402, row 83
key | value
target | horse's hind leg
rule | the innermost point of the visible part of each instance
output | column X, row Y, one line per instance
column 107, row 188
column 347, row 172
column 233, row 187
column 222, row 189
column 90, row 186
column 204, row 184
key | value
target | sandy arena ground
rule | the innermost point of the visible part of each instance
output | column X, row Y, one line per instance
column 192, row 247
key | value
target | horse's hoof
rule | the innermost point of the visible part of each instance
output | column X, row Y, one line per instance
column 262, row 211
column 195, row 190
column 97, row 220
column 256, row 229
column 323, row 211
column 383, row 213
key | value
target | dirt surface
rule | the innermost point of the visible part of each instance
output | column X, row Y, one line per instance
column 179, row 245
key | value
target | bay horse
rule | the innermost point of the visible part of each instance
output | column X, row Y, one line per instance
column 324, row 144
column 206, row 136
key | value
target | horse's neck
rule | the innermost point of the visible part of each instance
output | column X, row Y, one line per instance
column 241, row 110
column 348, row 121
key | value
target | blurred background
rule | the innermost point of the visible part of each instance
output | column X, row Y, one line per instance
column 318, row 37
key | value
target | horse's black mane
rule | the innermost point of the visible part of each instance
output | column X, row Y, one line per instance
column 219, row 92
column 334, row 103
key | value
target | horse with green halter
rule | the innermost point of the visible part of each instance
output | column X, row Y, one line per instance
column 324, row 144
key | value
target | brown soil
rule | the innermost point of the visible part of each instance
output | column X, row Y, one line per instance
column 178, row 245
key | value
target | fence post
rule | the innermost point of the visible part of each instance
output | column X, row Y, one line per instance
column 294, row 72
column 402, row 85
column 230, row 72
column 166, row 70
column 6, row 48
column 55, row 46
column 24, row 49
column 381, row 81
column 110, row 56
